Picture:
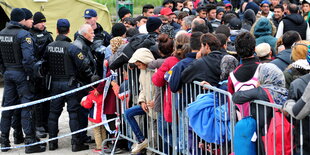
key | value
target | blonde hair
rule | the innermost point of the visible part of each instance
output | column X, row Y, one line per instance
column 300, row 50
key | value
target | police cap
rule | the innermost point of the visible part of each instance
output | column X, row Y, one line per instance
column 88, row 13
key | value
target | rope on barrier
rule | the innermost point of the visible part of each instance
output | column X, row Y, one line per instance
column 62, row 136
column 55, row 96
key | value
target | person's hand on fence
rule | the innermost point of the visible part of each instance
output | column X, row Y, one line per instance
column 96, row 93
column 151, row 104
column 144, row 107
column 204, row 83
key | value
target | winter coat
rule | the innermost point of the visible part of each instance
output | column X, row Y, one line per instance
column 176, row 72
column 294, row 22
column 159, row 81
column 206, row 68
column 296, row 91
column 264, row 30
column 283, row 59
column 136, row 42
column 94, row 103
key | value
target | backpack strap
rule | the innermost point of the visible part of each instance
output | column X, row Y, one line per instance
column 269, row 95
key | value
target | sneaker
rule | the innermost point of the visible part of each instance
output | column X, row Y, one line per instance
column 97, row 150
column 139, row 147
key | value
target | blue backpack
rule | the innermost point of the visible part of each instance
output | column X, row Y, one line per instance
column 245, row 132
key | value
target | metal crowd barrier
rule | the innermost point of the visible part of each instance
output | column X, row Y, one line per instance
column 176, row 137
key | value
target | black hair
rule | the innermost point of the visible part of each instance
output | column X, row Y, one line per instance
column 210, row 7
column 227, row 17
column 211, row 40
column 279, row 7
column 146, row 7
column 129, row 21
column 223, row 29
column 63, row 30
column 293, row 8
column 222, row 38
column 131, row 32
column 201, row 28
column 289, row 38
column 245, row 44
column 195, row 40
column 201, row 8
column 138, row 19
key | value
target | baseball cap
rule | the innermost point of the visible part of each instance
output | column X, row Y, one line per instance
column 88, row 13
column 262, row 49
column 63, row 23
column 228, row 5
column 166, row 11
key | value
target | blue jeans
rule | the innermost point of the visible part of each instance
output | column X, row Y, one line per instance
column 130, row 117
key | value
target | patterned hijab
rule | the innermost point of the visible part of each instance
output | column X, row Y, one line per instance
column 272, row 78
column 228, row 64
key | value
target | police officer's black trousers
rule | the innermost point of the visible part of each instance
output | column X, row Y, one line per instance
column 56, row 107
column 16, row 85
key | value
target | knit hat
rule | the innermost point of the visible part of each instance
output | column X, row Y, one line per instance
column 17, row 15
column 265, row 2
column 28, row 13
column 253, row 6
column 168, row 29
column 122, row 12
column 262, row 49
column 308, row 55
column 152, row 24
column 63, row 23
column 142, row 54
column 38, row 17
column 118, row 29
column 219, row 10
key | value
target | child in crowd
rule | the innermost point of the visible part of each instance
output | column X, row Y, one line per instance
column 141, row 58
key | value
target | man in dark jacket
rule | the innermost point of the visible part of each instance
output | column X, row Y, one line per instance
column 175, row 79
column 41, row 39
column 91, row 18
column 294, row 21
column 149, row 41
column 283, row 59
column 210, row 62
column 277, row 15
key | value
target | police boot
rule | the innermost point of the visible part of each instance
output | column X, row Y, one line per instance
column 33, row 149
column 4, row 142
column 78, row 145
column 18, row 136
column 53, row 145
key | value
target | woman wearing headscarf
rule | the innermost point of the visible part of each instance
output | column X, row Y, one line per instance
column 270, row 78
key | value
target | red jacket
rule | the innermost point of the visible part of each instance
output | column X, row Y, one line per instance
column 94, row 103
column 159, row 81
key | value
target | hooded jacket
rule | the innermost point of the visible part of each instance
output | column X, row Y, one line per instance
column 283, row 59
column 248, row 20
column 264, row 30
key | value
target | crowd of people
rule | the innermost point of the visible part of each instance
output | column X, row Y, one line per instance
column 244, row 47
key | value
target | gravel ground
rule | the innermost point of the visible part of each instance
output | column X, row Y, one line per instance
column 64, row 143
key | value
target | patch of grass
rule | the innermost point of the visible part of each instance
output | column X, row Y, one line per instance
column 137, row 5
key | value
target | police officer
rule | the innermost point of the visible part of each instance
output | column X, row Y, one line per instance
column 64, row 61
column 16, row 120
column 84, row 41
column 16, row 48
column 41, row 39
column 90, row 16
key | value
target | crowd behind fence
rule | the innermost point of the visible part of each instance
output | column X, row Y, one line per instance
column 182, row 135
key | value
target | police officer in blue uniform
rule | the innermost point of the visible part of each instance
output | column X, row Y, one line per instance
column 17, row 61
column 41, row 39
column 64, row 61
column 16, row 120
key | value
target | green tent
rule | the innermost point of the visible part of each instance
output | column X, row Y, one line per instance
column 53, row 10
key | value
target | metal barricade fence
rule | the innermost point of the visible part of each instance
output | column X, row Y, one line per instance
column 175, row 137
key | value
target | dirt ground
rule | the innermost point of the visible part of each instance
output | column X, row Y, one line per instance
column 64, row 143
